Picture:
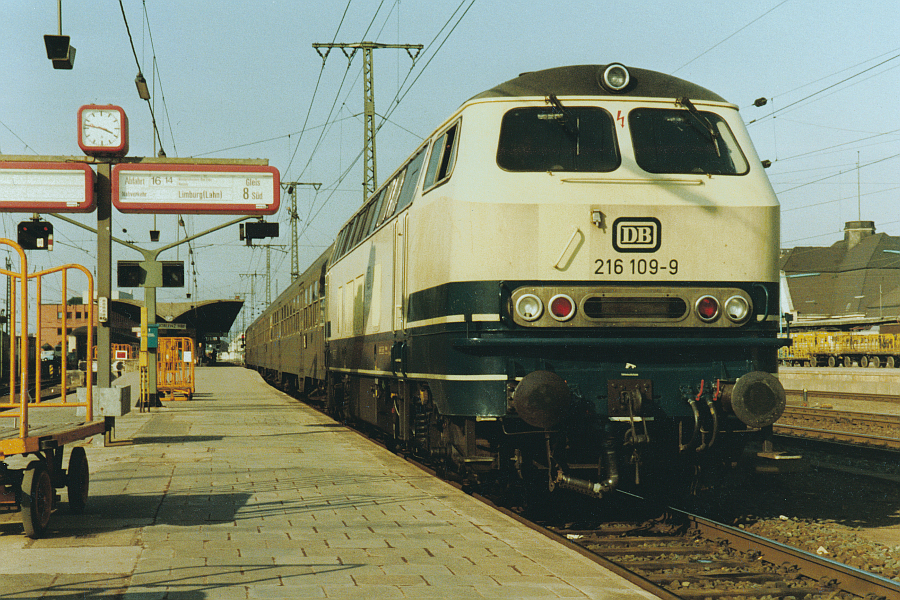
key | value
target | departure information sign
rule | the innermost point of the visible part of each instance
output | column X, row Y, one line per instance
column 196, row 189
column 46, row 187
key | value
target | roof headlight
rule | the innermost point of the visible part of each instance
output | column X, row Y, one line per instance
column 737, row 309
column 615, row 77
column 529, row 307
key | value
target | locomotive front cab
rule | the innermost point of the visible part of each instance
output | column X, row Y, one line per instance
column 638, row 323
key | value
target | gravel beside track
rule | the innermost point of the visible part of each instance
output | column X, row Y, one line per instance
column 833, row 510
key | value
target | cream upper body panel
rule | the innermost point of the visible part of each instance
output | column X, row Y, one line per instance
column 490, row 223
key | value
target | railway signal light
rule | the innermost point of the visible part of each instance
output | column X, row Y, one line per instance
column 135, row 273
column 35, row 235
column 257, row 230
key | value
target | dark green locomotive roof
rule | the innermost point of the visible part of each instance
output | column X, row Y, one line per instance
column 584, row 80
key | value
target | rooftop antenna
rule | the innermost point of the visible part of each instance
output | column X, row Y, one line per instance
column 858, row 195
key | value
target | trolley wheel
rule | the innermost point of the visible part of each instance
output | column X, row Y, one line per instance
column 832, row 362
column 37, row 499
column 875, row 361
column 848, row 362
column 889, row 362
column 78, row 480
column 863, row 361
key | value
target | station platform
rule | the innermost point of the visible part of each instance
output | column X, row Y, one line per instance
column 243, row 492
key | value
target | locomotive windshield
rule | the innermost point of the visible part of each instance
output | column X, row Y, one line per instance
column 550, row 139
column 679, row 141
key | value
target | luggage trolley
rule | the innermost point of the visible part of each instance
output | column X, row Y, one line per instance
column 175, row 367
column 32, row 488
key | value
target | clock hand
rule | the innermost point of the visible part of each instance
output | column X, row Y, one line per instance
column 98, row 127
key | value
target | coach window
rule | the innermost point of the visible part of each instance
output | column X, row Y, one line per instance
column 363, row 218
column 351, row 234
column 411, row 181
column 681, row 141
column 372, row 221
column 550, row 138
column 443, row 156
column 339, row 244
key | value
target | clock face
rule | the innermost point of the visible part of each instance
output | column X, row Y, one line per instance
column 103, row 130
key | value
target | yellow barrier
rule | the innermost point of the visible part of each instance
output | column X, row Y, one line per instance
column 175, row 368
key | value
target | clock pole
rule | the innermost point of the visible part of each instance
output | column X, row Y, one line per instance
column 104, row 270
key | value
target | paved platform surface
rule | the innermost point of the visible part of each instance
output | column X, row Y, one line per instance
column 845, row 380
column 245, row 493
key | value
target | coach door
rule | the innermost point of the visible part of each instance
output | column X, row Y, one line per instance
column 400, row 251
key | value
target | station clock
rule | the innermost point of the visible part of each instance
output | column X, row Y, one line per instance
column 102, row 130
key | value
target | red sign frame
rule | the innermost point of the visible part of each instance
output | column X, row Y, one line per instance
column 33, row 205
column 178, row 188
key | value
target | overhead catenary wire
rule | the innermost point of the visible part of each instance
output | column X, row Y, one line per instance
column 717, row 44
column 138, row 63
column 817, row 92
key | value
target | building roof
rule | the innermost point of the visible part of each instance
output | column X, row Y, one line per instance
column 853, row 281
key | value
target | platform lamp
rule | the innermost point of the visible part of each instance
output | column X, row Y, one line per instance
column 59, row 51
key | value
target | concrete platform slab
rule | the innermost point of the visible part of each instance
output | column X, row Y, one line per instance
column 245, row 493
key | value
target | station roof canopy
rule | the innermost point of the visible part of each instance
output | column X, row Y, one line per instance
column 207, row 318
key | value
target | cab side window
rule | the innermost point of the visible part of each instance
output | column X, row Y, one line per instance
column 443, row 156
column 411, row 181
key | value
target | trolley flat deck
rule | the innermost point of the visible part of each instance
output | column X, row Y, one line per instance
column 46, row 437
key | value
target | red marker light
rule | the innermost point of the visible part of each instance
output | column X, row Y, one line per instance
column 562, row 307
column 707, row 308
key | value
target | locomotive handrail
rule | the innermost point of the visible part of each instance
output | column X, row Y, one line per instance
column 766, row 292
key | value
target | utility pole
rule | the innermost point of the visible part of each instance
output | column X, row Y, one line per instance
column 252, row 277
column 295, row 253
column 370, row 177
column 268, row 248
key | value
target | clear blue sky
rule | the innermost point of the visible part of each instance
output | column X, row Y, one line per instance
column 241, row 80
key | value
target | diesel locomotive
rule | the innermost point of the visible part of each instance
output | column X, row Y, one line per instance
column 572, row 282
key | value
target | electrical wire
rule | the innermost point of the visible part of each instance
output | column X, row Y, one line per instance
column 17, row 137
column 138, row 63
column 730, row 36
column 816, row 93
column 316, row 89
column 157, row 76
column 398, row 98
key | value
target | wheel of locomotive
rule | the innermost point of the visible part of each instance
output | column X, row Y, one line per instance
column 875, row 361
column 832, row 362
column 77, row 480
column 890, row 362
column 37, row 499
column 848, row 362
column 863, row 361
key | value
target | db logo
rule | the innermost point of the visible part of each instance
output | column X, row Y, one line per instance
column 637, row 234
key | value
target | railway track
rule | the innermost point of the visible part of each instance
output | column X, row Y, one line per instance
column 684, row 556
column 857, row 428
